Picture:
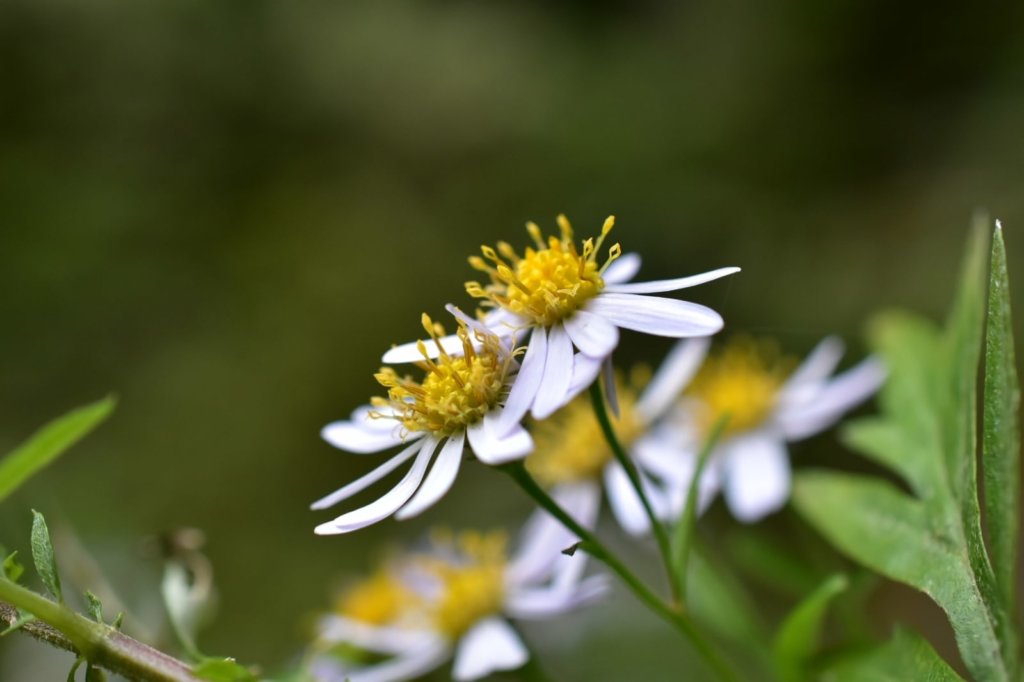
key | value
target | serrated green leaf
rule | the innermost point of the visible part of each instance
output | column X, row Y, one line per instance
column 1001, row 441
column 12, row 568
column 222, row 670
column 49, row 442
column 898, row 536
column 800, row 632
column 42, row 555
column 95, row 606
column 907, row 656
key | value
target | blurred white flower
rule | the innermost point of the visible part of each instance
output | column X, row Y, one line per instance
column 769, row 404
column 459, row 401
column 564, row 299
column 574, row 461
column 453, row 601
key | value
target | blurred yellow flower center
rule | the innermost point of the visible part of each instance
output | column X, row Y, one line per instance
column 456, row 391
column 377, row 600
column 473, row 583
column 548, row 283
column 743, row 381
column 570, row 446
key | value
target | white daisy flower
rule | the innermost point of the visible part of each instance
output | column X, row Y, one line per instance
column 459, row 401
column 574, row 462
column 768, row 406
column 567, row 300
column 462, row 593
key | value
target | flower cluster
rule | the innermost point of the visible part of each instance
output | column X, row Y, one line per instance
column 453, row 598
column 508, row 386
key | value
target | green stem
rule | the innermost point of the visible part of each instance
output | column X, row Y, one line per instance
column 657, row 527
column 682, row 540
column 595, row 548
column 100, row 644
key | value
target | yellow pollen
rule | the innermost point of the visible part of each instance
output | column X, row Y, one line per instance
column 472, row 580
column 570, row 446
column 742, row 380
column 377, row 600
column 457, row 390
column 551, row 280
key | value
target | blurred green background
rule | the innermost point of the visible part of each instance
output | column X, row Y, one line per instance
column 225, row 211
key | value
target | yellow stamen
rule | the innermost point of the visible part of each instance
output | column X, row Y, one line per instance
column 551, row 280
column 570, row 446
column 456, row 391
column 377, row 600
column 472, row 579
column 742, row 380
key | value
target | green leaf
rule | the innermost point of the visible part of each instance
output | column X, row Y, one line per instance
column 74, row 668
column 800, row 632
column 898, row 536
column 94, row 674
column 719, row 602
column 1001, row 441
column 49, row 442
column 42, row 555
column 95, row 606
column 12, row 568
column 223, row 670
column 907, row 656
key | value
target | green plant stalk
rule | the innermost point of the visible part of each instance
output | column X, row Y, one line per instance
column 100, row 644
column 657, row 527
column 682, row 540
column 595, row 548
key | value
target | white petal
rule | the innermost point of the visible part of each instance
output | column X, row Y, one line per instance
column 584, row 371
column 362, row 438
column 389, row 503
column 527, row 382
column 543, row 603
column 361, row 417
column 492, row 449
column 409, row 352
column 655, row 315
column 670, row 284
column 439, row 480
column 336, row 629
column 367, row 480
column 411, row 665
column 810, row 376
column 624, row 501
column 622, row 269
column 593, row 335
column 489, row 646
column 841, row 394
column 675, row 373
column 757, row 476
column 544, row 537
column 557, row 374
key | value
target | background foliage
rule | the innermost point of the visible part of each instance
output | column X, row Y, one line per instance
column 224, row 212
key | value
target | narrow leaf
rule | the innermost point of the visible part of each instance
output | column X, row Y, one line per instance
column 1001, row 442
column 49, row 442
column 24, row 618
column 223, row 670
column 12, row 568
column 42, row 555
column 907, row 656
column 800, row 632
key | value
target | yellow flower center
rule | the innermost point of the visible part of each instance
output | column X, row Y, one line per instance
column 743, row 381
column 456, row 391
column 571, row 447
column 377, row 600
column 548, row 283
column 473, row 583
